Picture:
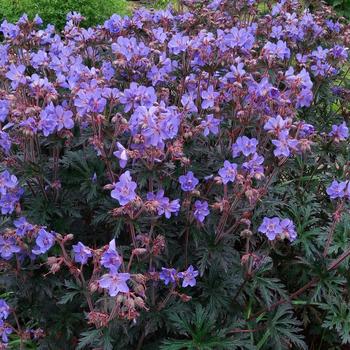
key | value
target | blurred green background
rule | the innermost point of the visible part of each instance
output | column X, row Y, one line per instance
column 97, row 11
column 55, row 11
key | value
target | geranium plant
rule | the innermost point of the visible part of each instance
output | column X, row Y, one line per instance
column 176, row 180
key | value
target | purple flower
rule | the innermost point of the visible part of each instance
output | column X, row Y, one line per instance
column 254, row 166
column 10, row 31
column 305, row 130
column 8, row 247
column 159, row 35
column 178, row 43
column 138, row 95
column 4, row 331
column 81, row 253
column 209, row 97
column 114, row 24
column 23, row 226
column 122, row 155
column 7, row 182
column 279, row 50
column 167, row 275
column 276, row 32
column 169, row 207
column 240, row 38
column 9, row 201
column 130, row 48
column 110, row 259
column 201, row 210
column 163, row 204
column 337, row 189
column 124, row 189
column 115, row 283
column 37, row 20
column 188, row 182
column 44, row 241
column 333, row 26
column 210, row 124
column 4, row 309
column 5, row 141
column 188, row 103
column 288, row 230
column 339, row 132
column 271, row 227
column 39, row 58
column 10, row 192
column 189, row 277
column 276, row 125
column 284, row 145
column 304, row 98
column 64, row 118
column 245, row 145
column 339, row 52
column 48, row 120
column 16, row 75
column 4, row 109
column 107, row 70
column 228, row 172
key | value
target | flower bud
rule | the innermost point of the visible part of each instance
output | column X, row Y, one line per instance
column 246, row 233
column 93, row 286
column 139, row 302
column 55, row 268
column 184, row 297
column 120, row 298
column 51, row 260
column 139, row 251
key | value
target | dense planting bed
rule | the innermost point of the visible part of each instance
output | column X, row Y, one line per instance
column 176, row 180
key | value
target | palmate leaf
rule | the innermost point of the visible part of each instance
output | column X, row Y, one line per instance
column 202, row 332
column 264, row 286
column 282, row 330
column 338, row 318
column 330, row 284
column 89, row 339
column 220, row 254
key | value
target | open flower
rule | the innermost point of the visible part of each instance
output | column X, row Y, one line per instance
column 124, row 189
column 115, row 282
column 189, row 277
column 44, row 241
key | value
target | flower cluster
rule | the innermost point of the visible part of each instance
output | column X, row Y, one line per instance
column 339, row 190
column 5, row 329
column 274, row 228
column 171, row 275
column 10, row 192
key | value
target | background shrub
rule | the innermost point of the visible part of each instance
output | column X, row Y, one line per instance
column 341, row 6
column 55, row 11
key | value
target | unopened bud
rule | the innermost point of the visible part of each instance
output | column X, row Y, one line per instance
column 139, row 251
column 108, row 187
column 130, row 303
column 120, row 298
column 139, row 302
column 55, row 268
column 139, row 278
column 140, row 290
column 185, row 298
column 69, row 237
column 93, row 286
column 51, row 260
column 246, row 233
